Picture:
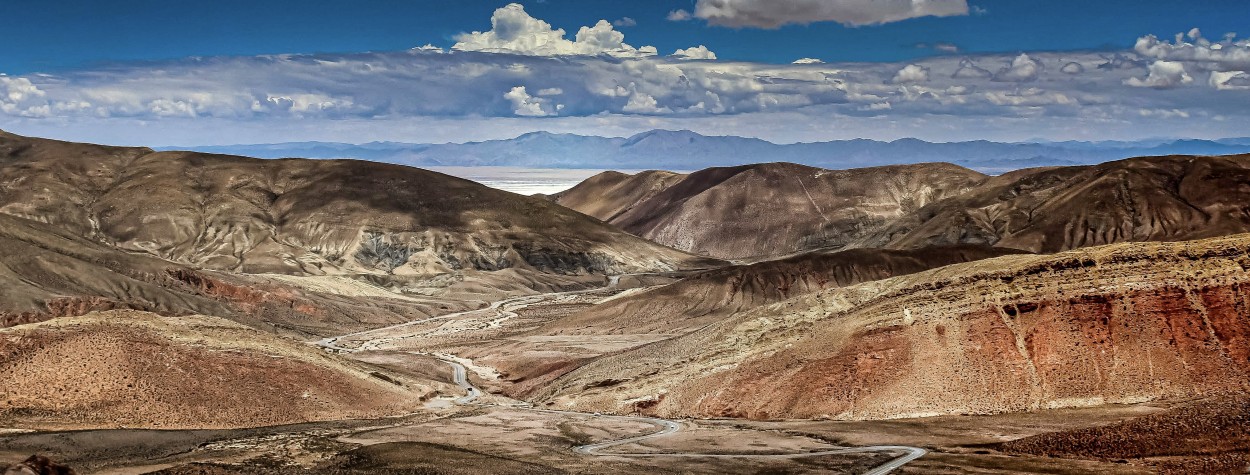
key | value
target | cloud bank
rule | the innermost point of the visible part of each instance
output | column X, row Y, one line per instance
column 522, row 74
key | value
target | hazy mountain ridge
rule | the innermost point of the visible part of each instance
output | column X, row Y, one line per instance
column 686, row 150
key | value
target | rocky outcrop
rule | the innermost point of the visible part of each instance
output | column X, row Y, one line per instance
column 38, row 465
column 257, row 300
column 564, row 262
column 66, row 307
column 376, row 251
column 1119, row 323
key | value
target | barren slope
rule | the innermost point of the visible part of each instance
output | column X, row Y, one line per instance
column 574, row 335
column 47, row 273
column 310, row 217
column 609, row 194
column 1124, row 322
column 136, row 369
column 713, row 295
column 771, row 209
column 1048, row 210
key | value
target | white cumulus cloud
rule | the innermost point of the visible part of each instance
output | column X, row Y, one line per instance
column 19, row 89
column 775, row 13
column 21, row 97
column 523, row 104
column 808, row 61
column 1022, row 68
column 1163, row 74
column 1230, row 80
column 1227, row 55
column 695, row 52
column 643, row 103
column 515, row 31
column 912, row 73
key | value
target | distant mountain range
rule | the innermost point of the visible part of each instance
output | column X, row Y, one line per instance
column 686, row 150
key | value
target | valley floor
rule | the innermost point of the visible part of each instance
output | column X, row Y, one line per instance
column 506, row 440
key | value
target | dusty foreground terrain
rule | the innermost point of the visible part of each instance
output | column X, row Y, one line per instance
column 504, row 440
column 444, row 438
column 439, row 436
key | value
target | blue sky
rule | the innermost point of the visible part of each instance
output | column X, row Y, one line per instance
column 158, row 73
column 69, row 34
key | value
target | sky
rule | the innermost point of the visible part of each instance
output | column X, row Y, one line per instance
column 205, row 73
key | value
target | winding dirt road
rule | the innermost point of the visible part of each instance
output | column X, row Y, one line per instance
column 666, row 427
column 669, row 427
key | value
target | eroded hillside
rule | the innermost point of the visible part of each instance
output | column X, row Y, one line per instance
column 306, row 217
column 779, row 209
column 48, row 273
column 710, row 296
column 1048, row 210
column 1119, row 323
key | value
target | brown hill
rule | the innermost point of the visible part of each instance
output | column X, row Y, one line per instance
column 136, row 369
column 780, row 209
column 1048, row 210
column 770, row 209
column 46, row 272
column 610, row 194
column 308, row 217
column 1117, row 323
